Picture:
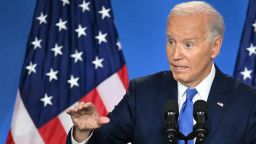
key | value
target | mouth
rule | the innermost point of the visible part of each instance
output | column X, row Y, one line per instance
column 178, row 68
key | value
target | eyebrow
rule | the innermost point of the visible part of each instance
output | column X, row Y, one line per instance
column 187, row 39
column 169, row 36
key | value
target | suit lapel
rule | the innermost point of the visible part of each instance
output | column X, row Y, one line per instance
column 167, row 90
column 218, row 102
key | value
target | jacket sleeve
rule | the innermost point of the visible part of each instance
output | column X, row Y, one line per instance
column 122, row 121
column 251, row 124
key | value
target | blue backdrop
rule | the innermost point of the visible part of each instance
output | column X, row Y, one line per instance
column 141, row 26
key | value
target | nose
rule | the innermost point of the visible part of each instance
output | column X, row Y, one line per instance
column 177, row 53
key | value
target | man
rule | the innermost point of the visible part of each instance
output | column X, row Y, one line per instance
column 194, row 37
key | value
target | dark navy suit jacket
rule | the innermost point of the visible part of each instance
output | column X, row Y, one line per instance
column 139, row 117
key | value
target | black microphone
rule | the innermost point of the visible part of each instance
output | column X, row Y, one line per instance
column 171, row 117
column 200, row 115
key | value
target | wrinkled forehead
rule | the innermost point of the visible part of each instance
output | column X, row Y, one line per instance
column 191, row 26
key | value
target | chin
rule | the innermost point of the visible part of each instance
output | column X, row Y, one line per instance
column 180, row 77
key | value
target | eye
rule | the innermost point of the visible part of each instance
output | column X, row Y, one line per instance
column 188, row 45
column 171, row 42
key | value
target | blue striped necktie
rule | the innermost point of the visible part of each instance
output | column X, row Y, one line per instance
column 186, row 114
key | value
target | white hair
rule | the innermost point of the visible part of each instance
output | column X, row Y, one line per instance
column 216, row 22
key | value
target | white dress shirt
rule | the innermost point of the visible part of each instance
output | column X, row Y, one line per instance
column 203, row 90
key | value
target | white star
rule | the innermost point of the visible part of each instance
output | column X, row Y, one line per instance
column 47, row 100
column 31, row 68
column 85, row 6
column 80, row 31
column 254, row 25
column 251, row 49
column 246, row 73
column 65, row 2
column 101, row 37
column 52, row 75
column 119, row 45
column 42, row 18
column 98, row 62
column 73, row 81
column 57, row 50
column 61, row 24
column 104, row 12
column 77, row 56
column 36, row 43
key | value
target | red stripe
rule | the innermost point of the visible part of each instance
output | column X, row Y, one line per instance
column 53, row 132
column 123, row 74
column 9, row 139
column 94, row 97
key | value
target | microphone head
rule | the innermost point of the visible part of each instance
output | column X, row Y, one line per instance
column 171, row 108
column 200, row 107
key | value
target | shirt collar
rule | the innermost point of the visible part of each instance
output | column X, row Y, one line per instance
column 203, row 88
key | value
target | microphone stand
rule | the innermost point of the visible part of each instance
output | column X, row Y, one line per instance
column 179, row 136
column 199, row 132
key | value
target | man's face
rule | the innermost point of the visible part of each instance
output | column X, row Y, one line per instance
column 189, row 51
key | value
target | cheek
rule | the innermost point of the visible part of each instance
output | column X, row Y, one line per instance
column 200, row 62
column 196, row 62
column 168, row 52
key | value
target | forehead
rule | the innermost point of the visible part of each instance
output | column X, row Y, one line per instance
column 194, row 26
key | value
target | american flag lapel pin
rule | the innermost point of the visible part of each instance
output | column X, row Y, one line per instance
column 220, row 104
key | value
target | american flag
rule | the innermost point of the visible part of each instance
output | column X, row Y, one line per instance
column 245, row 68
column 73, row 54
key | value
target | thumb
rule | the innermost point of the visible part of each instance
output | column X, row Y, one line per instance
column 103, row 120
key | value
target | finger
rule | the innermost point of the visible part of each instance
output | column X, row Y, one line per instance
column 68, row 111
column 80, row 104
column 71, row 110
column 75, row 107
column 85, row 108
column 103, row 120
column 89, row 107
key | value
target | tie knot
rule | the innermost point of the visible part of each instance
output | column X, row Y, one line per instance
column 190, row 93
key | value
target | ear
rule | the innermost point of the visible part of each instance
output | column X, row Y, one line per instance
column 216, row 45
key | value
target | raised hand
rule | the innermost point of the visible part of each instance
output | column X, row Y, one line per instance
column 85, row 119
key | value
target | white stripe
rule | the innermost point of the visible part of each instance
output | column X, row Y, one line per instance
column 65, row 119
column 111, row 91
column 22, row 128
